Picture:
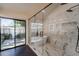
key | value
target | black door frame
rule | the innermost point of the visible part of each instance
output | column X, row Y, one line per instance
column 14, row 32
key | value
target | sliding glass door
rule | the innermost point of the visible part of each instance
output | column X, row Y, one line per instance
column 7, row 33
column 20, row 33
column 12, row 33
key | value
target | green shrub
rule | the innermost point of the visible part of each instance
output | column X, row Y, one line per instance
column 20, row 36
column 5, row 37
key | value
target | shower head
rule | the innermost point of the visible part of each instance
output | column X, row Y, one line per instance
column 69, row 10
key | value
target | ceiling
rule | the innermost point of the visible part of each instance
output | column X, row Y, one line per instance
column 20, row 10
column 47, row 11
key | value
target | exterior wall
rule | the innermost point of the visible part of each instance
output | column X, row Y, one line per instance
column 61, row 28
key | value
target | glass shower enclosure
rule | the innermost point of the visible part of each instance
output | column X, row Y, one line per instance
column 37, row 39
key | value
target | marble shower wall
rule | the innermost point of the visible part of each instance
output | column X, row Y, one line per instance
column 61, row 28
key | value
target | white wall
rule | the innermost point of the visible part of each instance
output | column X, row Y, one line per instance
column 61, row 28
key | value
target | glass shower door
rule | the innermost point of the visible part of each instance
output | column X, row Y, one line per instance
column 36, row 31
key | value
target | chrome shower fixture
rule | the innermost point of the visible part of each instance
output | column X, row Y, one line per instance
column 70, row 9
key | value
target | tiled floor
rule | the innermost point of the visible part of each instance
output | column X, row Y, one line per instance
column 19, row 51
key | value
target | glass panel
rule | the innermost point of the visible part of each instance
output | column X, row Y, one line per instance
column 37, row 34
column 12, row 33
column 20, row 33
column 7, row 33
